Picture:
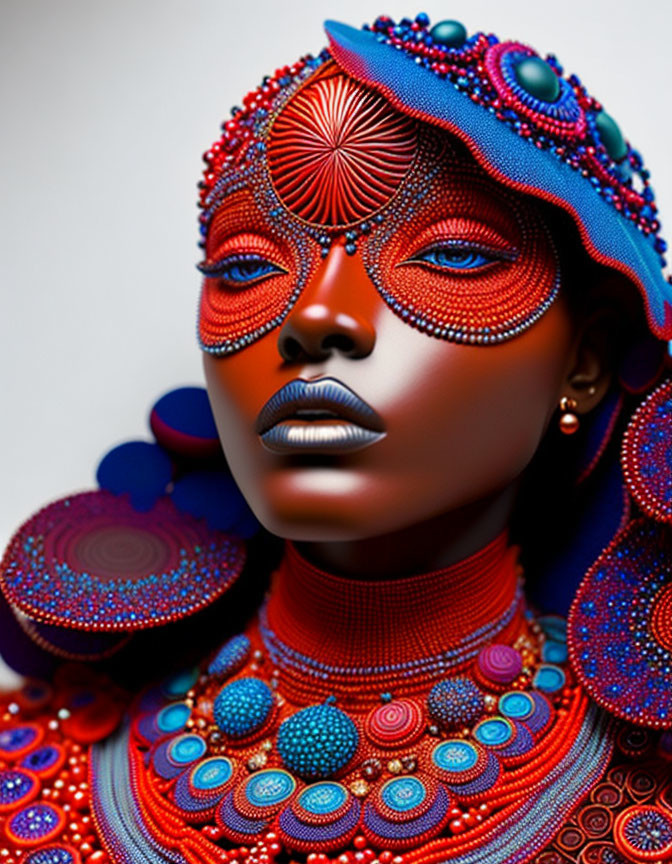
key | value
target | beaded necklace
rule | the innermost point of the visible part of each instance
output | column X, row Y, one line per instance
column 235, row 762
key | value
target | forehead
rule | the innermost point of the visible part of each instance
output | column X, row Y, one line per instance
column 335, row 155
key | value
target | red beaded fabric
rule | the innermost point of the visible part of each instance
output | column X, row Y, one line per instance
column 333, row 621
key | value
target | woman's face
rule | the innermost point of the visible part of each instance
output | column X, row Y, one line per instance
column 385, row 420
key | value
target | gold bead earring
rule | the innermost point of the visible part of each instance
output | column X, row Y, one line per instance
column 569, row 421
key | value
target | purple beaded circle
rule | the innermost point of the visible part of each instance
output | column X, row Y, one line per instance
column 620, row 626
column 92, row 562
column 647, row 454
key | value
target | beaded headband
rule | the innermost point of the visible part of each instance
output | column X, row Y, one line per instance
column 529, row 127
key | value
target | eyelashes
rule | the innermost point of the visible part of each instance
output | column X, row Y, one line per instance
column 460, row 256
column 241, row 269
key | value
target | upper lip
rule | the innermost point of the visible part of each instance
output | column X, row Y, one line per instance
column 325, row 394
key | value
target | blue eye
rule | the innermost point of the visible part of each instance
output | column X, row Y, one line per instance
column 243, row 269
column 460, row 257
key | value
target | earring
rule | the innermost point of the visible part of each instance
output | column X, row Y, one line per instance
column 569, row 422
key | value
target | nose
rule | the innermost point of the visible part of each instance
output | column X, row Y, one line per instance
column 330, row 316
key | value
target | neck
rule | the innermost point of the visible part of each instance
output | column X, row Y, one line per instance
column 332, row 634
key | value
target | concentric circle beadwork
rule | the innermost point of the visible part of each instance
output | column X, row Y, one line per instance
column 264, row 793
column 457, row 760
column 45, row 761
column 92, row 562
column 53, row 854
column 399, row 829
column 647, row 454
column 500, row 664
column 619, row 642
column 17, row 787
column 35, row 823
column 17, row 741
column 243, row 707
column 317, row 742
column 644, row 833
column 395, row 723
column 561, row 116
column 173, row 718
column 322, row 802
column 516, row 705
column 495, row 732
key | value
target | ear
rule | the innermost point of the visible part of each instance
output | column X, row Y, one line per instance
column 589, row 366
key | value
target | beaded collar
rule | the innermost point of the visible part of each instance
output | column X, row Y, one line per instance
column 355, row 639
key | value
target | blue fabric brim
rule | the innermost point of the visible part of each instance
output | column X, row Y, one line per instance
column 415, row 90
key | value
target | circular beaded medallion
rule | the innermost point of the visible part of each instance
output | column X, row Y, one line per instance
column 322, row 817
column 620, row 631
column 199, row 790
column 173, row 718
column 17, row 787
column 45, row 761
column 405, row 812
column 35, row 823
column 458, row 761
column 644, row 833
column 321, row 803
column 647, row 454
column 171, row 757
column 500, row 664
column 53, row 854
column 16, row 742
column 544, row 98
column 398, row 722
column 264, row 793
column 92, row 562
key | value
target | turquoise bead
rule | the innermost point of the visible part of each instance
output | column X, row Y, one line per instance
column 611, row 136
column 450, row 34
column 537, row 78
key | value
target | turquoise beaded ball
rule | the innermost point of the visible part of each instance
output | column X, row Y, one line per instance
column 317, row 742
column 243, row 707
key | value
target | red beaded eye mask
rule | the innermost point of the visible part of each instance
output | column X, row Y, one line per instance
column 460, row 258
column 450, row 252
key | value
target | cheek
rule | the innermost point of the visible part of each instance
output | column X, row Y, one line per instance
column 467, row 420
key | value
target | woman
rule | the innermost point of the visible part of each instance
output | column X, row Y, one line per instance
column 426, row 261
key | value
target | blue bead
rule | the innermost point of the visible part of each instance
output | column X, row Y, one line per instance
column 317, row 741
column 243, row 706
column 455, row 703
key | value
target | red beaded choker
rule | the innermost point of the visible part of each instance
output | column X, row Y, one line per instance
column 342, row 631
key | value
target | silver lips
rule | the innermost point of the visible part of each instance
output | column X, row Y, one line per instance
column 321, row 416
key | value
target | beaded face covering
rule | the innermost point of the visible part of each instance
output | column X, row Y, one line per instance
column 450, row 252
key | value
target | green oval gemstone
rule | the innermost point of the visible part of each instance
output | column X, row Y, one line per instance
column 537, row 78
column 611, row 136
column 452, row 34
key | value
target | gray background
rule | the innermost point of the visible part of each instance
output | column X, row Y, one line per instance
column 105, row 109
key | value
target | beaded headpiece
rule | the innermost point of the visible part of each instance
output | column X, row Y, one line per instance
column 527, row 125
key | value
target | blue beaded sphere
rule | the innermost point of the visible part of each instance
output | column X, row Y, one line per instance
column 455, row 703
column 317, row 741
column 243, row 707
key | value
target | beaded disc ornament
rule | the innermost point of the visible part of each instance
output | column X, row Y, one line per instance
column 647, row 455
column 91, row 562
column 620, row 626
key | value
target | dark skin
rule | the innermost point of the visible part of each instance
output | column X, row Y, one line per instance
column 462, row 423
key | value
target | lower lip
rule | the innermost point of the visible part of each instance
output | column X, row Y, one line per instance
column 318, row 436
